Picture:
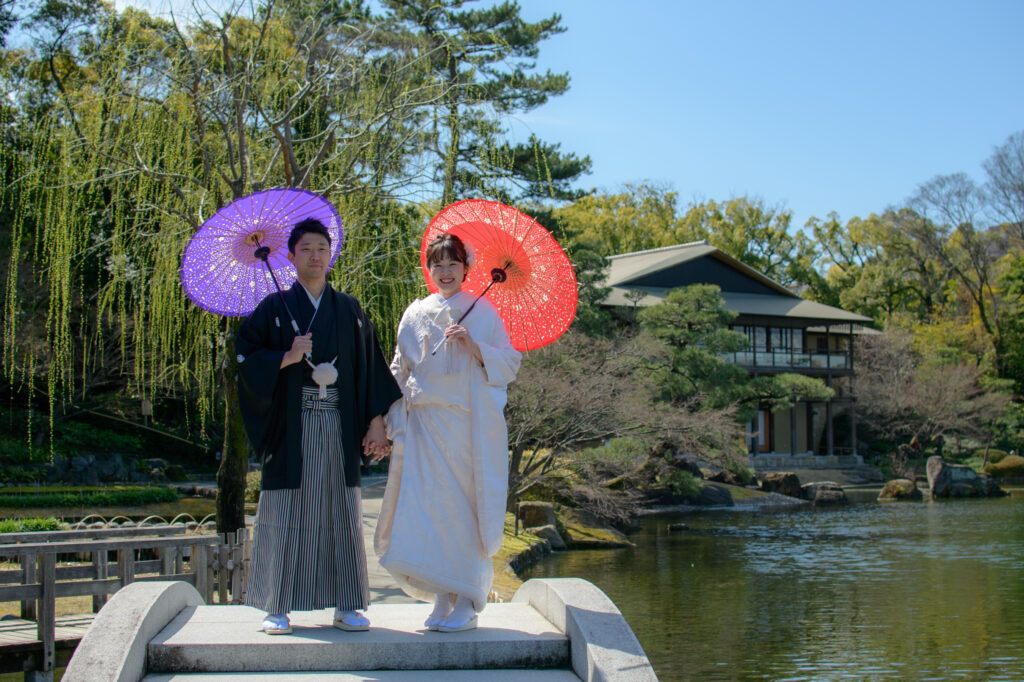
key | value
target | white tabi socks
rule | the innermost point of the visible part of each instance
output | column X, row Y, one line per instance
column 442, row 607
column 462, row 617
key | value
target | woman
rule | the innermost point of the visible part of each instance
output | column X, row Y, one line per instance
column 443, row 513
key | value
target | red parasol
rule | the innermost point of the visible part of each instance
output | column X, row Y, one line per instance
column 521, row 267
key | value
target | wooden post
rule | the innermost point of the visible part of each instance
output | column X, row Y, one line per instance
column 200, row 564
column 224, row 572
column 236, row 575
column 167, row 555
column 246, row 545
column 47, row 623
column 126, row 566
column 28, row 577
column 792, row 430
column 829, row 432
column 101, row 571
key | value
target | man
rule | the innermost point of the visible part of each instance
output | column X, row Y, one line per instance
column 312, row 400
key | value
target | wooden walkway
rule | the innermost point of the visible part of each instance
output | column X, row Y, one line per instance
column 19, row 641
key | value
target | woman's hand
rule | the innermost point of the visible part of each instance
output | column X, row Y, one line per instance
column 456, row 332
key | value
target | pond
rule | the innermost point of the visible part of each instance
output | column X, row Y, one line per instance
column 910, row 590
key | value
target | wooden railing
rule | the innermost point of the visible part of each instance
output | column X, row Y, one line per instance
column 216, row 565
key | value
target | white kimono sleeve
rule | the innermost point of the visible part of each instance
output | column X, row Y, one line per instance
column 490, row 433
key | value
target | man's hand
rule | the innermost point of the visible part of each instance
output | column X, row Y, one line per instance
column 375, row 443
column 300, row 346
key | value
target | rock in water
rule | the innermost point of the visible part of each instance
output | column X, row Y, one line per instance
column 823, row 493
column 900, row 489
column 957, row 480
column 783, row 482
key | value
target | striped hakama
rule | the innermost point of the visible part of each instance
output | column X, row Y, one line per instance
column 308, row 549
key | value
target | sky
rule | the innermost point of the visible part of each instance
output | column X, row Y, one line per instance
column 810, row 106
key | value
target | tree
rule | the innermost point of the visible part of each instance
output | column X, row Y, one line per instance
column 906, row 397
column 754, row 234
column 582, row 391
column 640, row 217
column 136, row 130
column 692, row 326
column 481, row 62
column 1011, row 284
column 7, row 20
column 647, row 216
column 968, row 252
column 872, row 266
column 1005, row 186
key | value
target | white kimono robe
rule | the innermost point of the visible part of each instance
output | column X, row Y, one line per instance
column 443, row 513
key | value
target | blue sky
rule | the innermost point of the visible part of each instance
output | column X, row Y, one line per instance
column 814, row 106
column 830, row 105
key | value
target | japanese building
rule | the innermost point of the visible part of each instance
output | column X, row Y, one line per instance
column 786, row 333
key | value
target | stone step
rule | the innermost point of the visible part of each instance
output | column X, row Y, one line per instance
column 550, row 675
column 228, row 639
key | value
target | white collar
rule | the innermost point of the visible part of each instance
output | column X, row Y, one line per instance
column 314, row 301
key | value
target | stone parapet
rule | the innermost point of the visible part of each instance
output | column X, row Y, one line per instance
column 603, row 645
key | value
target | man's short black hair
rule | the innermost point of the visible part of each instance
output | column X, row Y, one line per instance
column 306, row 226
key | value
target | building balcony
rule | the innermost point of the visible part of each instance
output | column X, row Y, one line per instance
column 785, row 359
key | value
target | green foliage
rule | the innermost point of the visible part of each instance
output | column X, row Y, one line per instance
column 692, row 322
column 14, row 451
column 648, row 216
column 682, row 483
column 253, row 484
column 176, row 473
column 783, row 391
column 994, row 455
column 72, row 437
column 1009, row 466
column 741, row 471
column 1011, row 322
column 31, row 525
column 86, row 497
column 477, row 62
column 617, row 452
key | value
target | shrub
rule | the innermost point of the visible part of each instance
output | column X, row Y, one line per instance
column 176, row 473
column 14, row 451
column 1009, row 466
column 18, row 475
column 253, row 481
column 994, row 456
column 73, row 436
column 30, row 525
column 87, row 497
column 741, row 471
column 616, row 453
column 682, row 483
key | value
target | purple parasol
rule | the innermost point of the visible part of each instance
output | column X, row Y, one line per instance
column 221, row 269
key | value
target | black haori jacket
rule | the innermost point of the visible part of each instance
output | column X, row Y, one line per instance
column 269, row 396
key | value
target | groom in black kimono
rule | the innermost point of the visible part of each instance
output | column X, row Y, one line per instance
column 313, row 401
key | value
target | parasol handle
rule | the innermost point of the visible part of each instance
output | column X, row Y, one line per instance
column 497, row 275
column 262, row 252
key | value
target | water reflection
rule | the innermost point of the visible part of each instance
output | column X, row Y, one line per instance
column 870, row 591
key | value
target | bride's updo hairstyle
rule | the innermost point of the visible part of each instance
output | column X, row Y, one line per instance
column 448, row 246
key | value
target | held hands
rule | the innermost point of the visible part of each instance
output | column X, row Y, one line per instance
column 375, row 443
column 300, row 346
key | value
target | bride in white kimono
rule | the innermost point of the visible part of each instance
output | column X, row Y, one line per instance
column 443, row 513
